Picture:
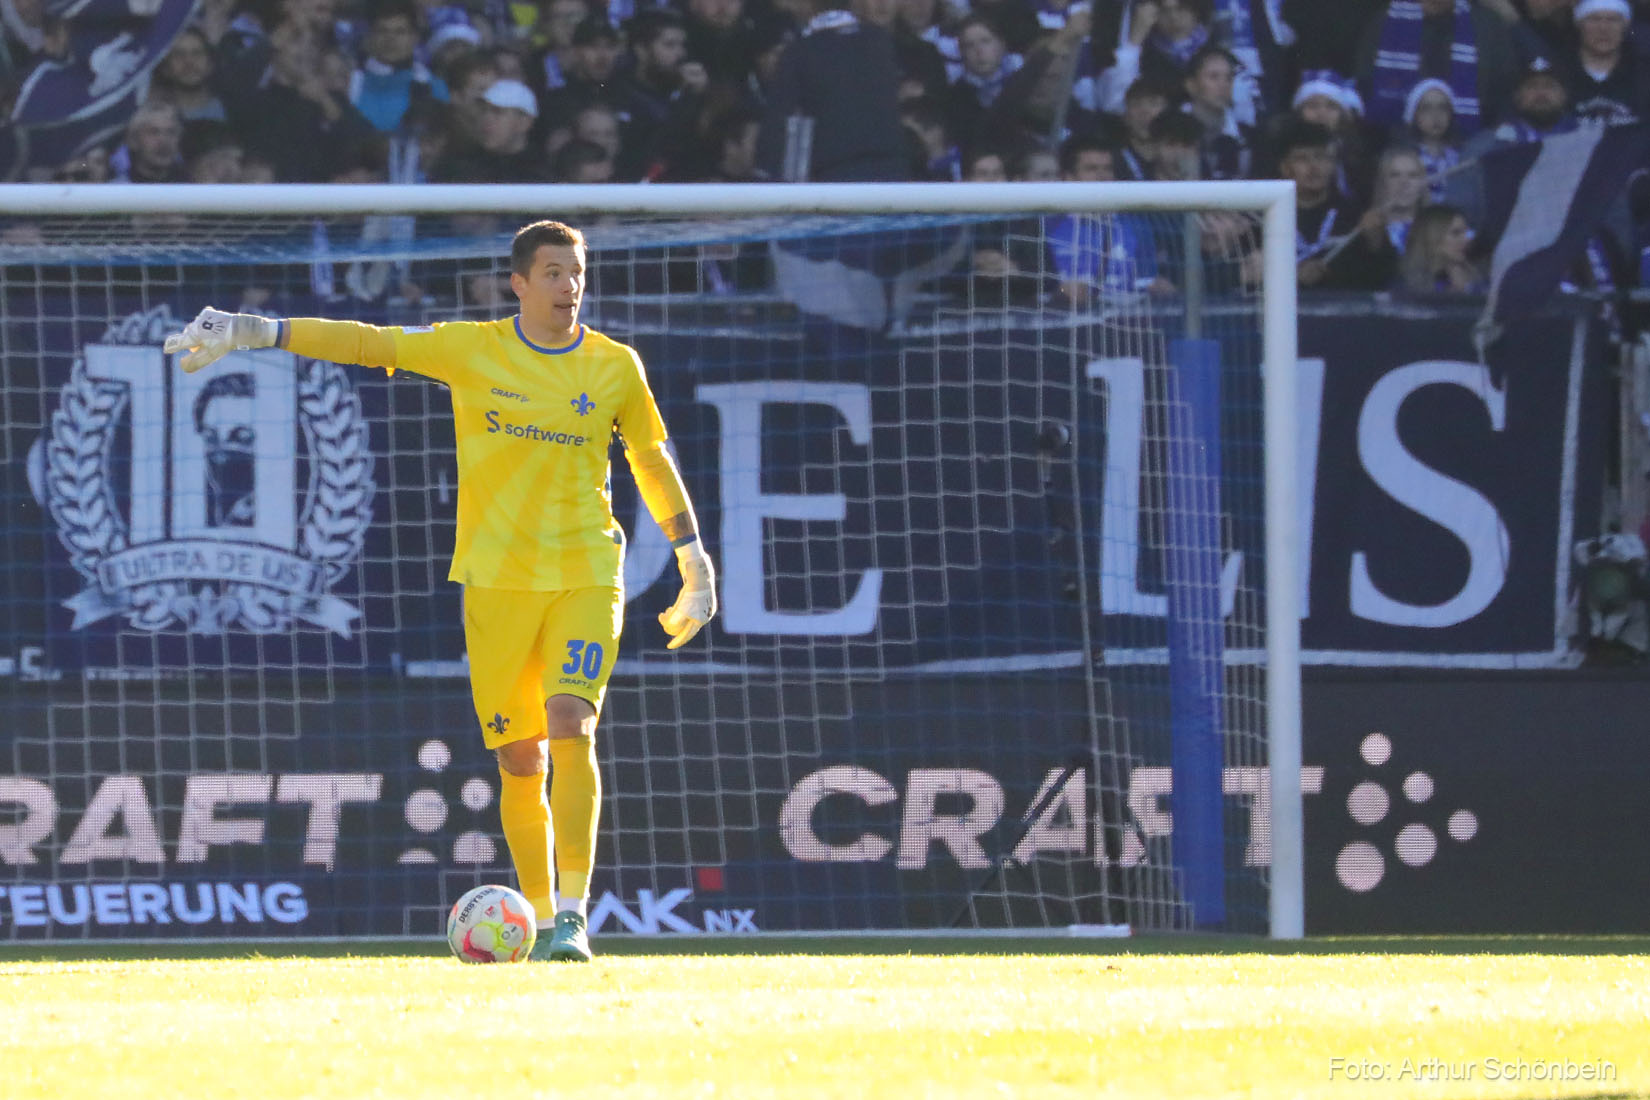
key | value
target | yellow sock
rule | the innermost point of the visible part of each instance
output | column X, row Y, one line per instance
column 525, row 813
column 575, row 805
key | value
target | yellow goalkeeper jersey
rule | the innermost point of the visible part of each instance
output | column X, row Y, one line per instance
column 535, row 508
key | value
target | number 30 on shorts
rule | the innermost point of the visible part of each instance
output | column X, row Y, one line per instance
column 587, row 656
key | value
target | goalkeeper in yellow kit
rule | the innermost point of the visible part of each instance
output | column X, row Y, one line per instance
column 536, row 399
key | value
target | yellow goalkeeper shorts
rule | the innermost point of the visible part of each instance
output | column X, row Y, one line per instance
column 527, row 646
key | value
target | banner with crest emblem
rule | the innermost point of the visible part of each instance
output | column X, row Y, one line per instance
column 247, row 487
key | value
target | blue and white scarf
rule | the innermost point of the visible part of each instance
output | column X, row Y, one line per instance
column 1241, row 16
column 553, row 76
column 1251, row 38
column 1515, row 131
column 1240, row 27
column 1398, row 65
column 1438, row 165
column 1238, row 17
column 1051, row 18
column 949, row 50
column 833, row 20
column 1398, row 233
column 1305, row 247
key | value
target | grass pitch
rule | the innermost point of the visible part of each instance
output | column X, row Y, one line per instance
column 861, row 1018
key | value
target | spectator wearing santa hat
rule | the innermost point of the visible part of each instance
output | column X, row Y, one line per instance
column 1608, row 80
column 1328, row 99
column 1429, row 118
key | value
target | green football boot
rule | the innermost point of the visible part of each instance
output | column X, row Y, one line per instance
column 568, row 943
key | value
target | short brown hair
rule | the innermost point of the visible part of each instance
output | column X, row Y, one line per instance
column 530, row 238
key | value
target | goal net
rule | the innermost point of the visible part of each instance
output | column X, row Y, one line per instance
column 1004, row 639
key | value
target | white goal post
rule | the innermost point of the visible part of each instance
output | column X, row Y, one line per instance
column 1270, row 203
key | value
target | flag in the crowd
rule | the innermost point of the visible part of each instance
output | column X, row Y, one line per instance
column 63, row 107
column 868, row 281
column 1543, row 202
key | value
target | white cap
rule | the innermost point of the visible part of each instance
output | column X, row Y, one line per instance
column 453, row 32
column 511, row 94
column 1602, row 7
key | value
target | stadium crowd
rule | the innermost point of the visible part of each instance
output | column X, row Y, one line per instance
column 1375, row 108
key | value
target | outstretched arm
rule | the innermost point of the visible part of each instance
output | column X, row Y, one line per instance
column 660, row 483
column 214, row 334
column 338, row 341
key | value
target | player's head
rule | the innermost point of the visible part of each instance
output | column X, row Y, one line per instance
column 547, row 271
column 530, row 238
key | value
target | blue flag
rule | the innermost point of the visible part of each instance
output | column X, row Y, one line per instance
column 1543, row 202
column 64, row 107
column 867, row 280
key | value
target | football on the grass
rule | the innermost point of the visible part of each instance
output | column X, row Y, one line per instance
column 491, row 924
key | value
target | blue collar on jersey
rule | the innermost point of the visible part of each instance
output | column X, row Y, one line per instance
column 548, row 351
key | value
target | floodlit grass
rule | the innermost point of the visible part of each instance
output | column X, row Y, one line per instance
column 1151, row 1019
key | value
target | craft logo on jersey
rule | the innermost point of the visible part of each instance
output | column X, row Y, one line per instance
column 582, row 404
column 232, row 498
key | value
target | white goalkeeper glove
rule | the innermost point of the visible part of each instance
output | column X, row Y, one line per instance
column 697, row 603
column 213, row 334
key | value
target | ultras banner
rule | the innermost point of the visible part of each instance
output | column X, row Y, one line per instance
column 1448, row 492
column 875, row 503
column 234, row 702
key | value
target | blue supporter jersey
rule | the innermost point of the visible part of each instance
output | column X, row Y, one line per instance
column 1112, row 251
